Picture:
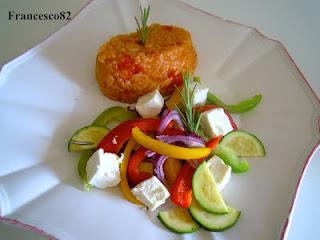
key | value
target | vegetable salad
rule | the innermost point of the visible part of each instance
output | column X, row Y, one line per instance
column 184, row 154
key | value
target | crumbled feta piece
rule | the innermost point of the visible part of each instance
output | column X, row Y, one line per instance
column 114, row 140
column 151, row 192
column 215, row 122
column 150, row 104
column 103, row 169
column 200, row 96
column 220, row 171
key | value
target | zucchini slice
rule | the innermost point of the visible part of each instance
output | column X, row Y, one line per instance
column 245, row 144
column 206, row 192
column 230, row 157
column 87, row 138
column 178, row 220
column 213, row 222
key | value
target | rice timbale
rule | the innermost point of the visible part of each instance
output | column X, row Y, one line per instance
column 126, row 70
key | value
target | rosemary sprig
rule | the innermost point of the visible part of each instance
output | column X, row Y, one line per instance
column 190, row 117
column 142, row 28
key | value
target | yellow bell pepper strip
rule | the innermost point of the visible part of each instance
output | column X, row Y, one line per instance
column 166, row 149
column 174, row 101
column 124, row 185
column 171, row 169
column 146, row 167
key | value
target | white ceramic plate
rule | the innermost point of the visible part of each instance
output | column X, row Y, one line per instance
column 50, row 91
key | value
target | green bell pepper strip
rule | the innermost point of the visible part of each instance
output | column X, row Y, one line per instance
column 114, row 114
column 241, row 107
column 230, row 158
column 82, row 164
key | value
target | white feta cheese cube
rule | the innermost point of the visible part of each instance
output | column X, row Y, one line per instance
column 220, row 171
column 215, row 122
column 200, row 96
column 151, row 192
column 150, row 104
column 103, row 169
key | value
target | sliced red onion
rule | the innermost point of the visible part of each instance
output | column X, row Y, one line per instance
column 158, row 167
column 166, row 97
column 165, row 112
column 190, row 141
column 149, row 160
column 167, row 117
column 195, row 135
column 194, row 163
column 150, row 153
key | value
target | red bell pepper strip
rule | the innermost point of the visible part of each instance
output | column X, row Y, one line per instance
column 212, row 145
column 134, row 174
column 181, row 190
column 173, row 131
column 122, row 133
column 209, row 107
column 213, row 142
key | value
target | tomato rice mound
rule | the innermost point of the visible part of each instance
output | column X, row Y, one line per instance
column 126, row 70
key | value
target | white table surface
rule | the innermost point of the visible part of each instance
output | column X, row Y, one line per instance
column 295, row 23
